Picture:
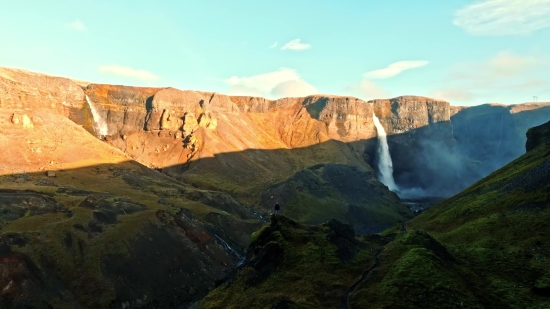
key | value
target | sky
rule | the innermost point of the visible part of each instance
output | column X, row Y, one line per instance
column 467, row 52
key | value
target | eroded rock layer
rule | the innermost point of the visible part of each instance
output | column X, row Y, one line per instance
column 244, row 144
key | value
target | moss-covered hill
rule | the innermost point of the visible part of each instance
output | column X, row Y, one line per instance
column 290, row 265
column 349, row 194
column 487, row 247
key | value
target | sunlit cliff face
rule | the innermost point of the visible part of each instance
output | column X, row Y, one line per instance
column 236, row 143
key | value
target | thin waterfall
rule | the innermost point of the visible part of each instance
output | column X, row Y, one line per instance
column 385, row 166
column 100, row 125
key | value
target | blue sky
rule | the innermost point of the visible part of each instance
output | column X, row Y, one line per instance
column 465, row 51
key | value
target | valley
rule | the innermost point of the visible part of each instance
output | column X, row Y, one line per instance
column 131, row 197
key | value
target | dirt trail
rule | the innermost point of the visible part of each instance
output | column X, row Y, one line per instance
column 344, row 301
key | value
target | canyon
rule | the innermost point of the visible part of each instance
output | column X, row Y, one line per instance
column 113, row 189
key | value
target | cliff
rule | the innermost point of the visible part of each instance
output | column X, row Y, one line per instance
column 104, row 230
column 243, row 145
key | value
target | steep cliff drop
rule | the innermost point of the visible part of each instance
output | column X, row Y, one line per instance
column 100, row 125
column 385, row 167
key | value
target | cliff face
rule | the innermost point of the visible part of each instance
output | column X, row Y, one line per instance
column 413, row 125
column 234, row 143
column 492, row 135
column 244, row 144
column 123, row 108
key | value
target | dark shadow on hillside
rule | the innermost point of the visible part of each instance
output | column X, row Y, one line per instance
column 438, row 160
column 138, row 232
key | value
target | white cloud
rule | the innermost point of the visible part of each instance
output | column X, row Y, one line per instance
column 529, row 84
column 395, row 69
column 264, row 82
column 296, row 45
column 76, row 25
column 366, row 90
column 281, row 83
column 293, row 88
column 274, row 45
column 504, row 17
column 240, row 90
column 452, row 94
column 128, row 72
column 504, row 64
column 504, row 74
column 508, row 64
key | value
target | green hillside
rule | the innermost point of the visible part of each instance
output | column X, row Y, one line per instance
column 487, row 247
column 335, row 191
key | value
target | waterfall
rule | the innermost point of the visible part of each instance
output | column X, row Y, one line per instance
column 100, row 125
column 228, row 247
column 385, row 166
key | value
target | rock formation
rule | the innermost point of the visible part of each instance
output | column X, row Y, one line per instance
column 244, row 144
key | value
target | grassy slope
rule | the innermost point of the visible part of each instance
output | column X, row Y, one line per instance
column 323, row 192
column 81, row 270
column 496, row 233
column 310, row 273
column 487, row 247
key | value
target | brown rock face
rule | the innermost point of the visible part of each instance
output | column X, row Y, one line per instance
column 232, row 143
column 406, row 113
column 20, row 90
column 212, row 130
column 124, row 108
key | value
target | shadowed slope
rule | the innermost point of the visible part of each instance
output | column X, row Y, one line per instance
column 486, row 247
column 349, row 194
column 495, row 233
column 290, row 265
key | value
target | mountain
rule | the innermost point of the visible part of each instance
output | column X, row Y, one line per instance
column 485, row 247
column 243, row 145
column 118, row 196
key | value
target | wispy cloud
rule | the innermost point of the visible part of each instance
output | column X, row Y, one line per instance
column 366, row 90
column 284, row 82
column 293, row 88
column 395, row 69
column 504, row 17
column 128, row 72
column 453, row 94
column 274, row 45
column 76, row 25
column 265, row 81
column 503, row 64
column 296, row 45
column 504, row 72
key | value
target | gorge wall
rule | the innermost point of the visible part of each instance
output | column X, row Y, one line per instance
column 242, row 145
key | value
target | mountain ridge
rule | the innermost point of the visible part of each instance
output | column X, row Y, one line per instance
column 170, row 129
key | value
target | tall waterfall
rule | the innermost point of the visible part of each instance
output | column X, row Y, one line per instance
column 385, row 166
column 100, row 125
